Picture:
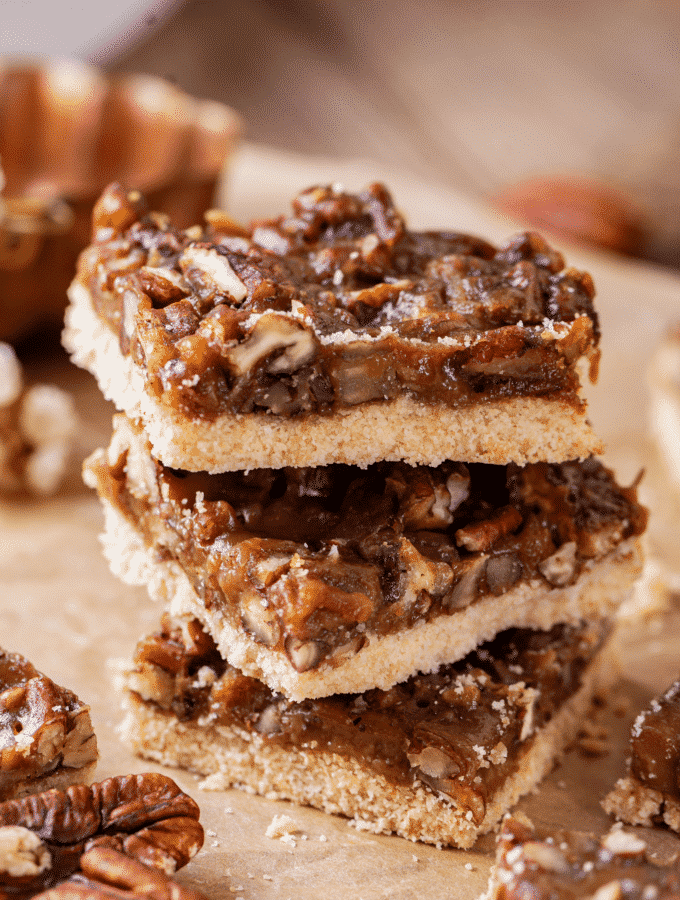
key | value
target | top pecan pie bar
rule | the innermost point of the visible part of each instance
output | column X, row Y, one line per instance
column 333, row 334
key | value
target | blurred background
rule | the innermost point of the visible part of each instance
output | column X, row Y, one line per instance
column 479, row 95
column 563, row 113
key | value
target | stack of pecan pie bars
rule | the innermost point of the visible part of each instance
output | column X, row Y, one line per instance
column 353, row 462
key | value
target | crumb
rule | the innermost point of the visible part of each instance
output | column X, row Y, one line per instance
column 281, row 827
column 468, row 866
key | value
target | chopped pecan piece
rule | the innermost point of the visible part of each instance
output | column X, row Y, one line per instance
column 282, row 341
column 481, row 536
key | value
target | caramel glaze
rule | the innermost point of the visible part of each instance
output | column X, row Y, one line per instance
column 382, row 311
column 569, row 865
column 310, row 560
column 459, row 732
column 655, row 744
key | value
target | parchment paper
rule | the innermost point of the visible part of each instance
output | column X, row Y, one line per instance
column 62, row 608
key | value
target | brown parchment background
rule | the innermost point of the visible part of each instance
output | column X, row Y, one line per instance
column 60, row 606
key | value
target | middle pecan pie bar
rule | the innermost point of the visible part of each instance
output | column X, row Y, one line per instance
column 333, row 579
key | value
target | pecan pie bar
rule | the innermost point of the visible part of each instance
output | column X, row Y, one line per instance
column 569, row 865
column 46, row 736
column 333, row 335
column 438, row 758
column 650, row 792
column 336, row 578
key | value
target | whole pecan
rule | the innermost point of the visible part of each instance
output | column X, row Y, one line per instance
column 146, row 818
column 109, row 875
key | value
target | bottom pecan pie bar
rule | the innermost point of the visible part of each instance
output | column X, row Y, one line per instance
column 46, row 735
column 330, row 579
column 438, row 758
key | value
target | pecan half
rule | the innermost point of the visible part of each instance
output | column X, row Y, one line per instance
column 106, row 873
column 37, row 430
column 144, row 819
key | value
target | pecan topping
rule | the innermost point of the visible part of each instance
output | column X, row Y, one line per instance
column 378, row 298
column 142, row 819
